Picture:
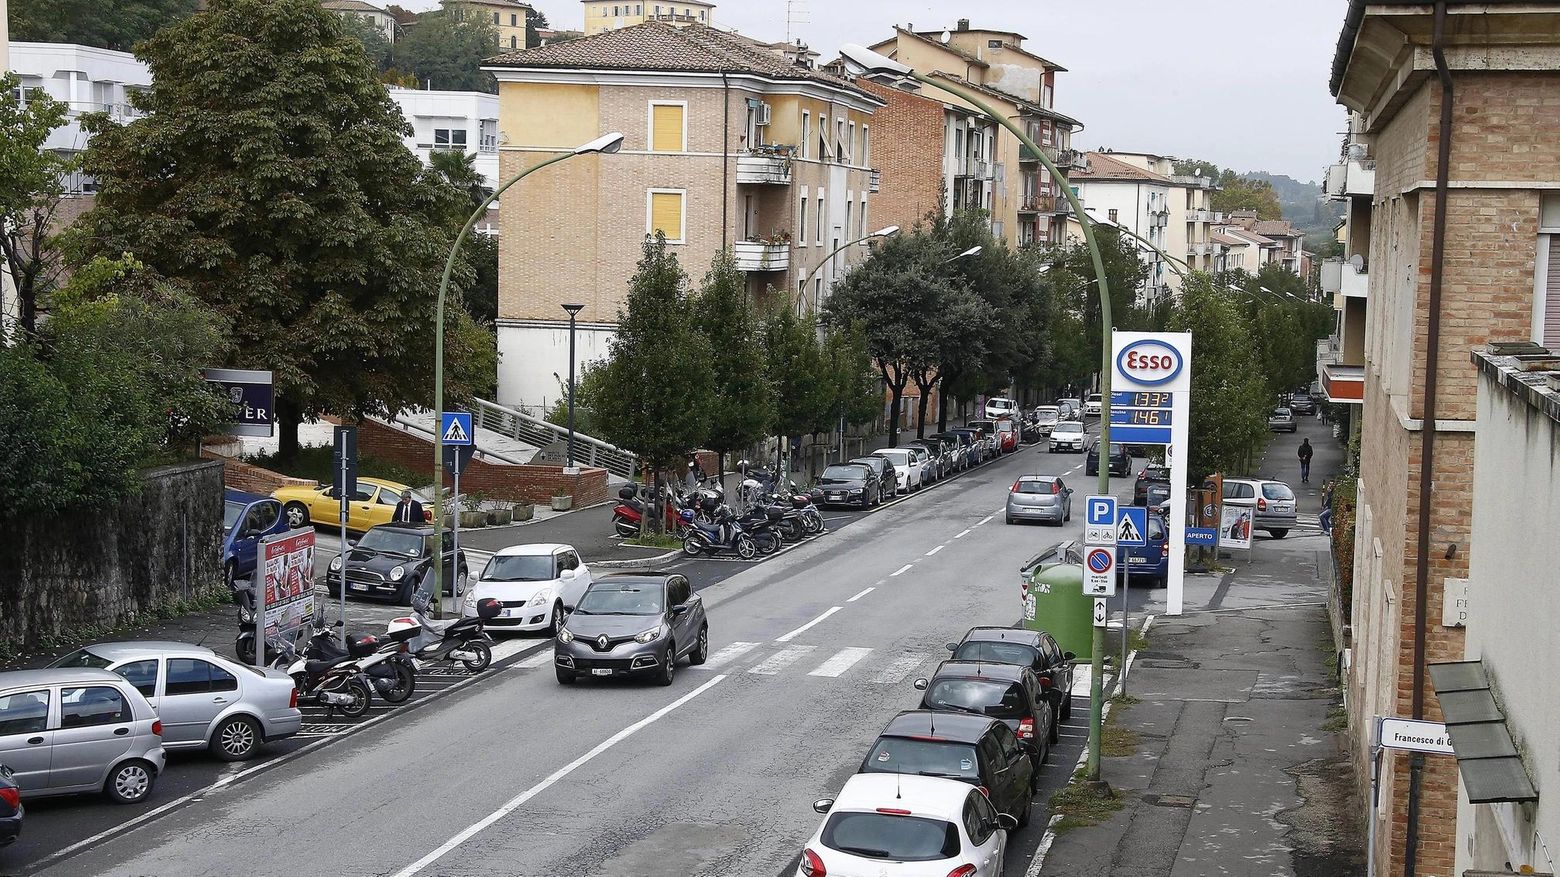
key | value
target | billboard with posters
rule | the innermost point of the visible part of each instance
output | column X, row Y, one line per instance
column 1235, row 526
column 287, row 564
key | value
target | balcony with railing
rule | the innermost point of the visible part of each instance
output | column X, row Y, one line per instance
column 1198, row 248
column 1354, row 176
column 765, row 165
column 771, row 253
column 1038, row 204
column 1199, row 216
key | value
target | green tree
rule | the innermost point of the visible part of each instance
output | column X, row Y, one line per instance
column 803, row 396
column 534, row 20
column 375, row 44
column 106, row 24
column 742, row 405
column 446, row 49
column 1075, row 298
column 297, row 215
column 1235, row 193
column 1229, row 398
column 459, row 170
column 858, row 396
column 481, row 294
column 31, row 185
column 652, row 394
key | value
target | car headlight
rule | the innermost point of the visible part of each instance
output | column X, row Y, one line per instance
column 541, row 597
column 397, row 573
column 648, row 636
column 564, row 636
column 471, row 598
column 335, row 563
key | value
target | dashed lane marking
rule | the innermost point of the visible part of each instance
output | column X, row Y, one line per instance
column 903, row 569
column 785, row 638
column 842, row 660
column 984, row 520
column 962, row 535
column 864, row 592
column 934, row 551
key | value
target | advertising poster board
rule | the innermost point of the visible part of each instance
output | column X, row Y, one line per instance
column 287, row 564
column 1235, row 526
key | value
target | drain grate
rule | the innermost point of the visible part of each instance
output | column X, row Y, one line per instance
column 1239, row 720
column 1169, row 800
column 323, row 729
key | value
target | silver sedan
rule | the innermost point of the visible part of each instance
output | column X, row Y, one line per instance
column 1039, row 498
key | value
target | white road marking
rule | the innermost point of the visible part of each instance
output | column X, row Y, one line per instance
column 902, row 569
column 934, row 551
column 1038, row 861
column 780, row 660
column 843, row 660
column 540, row 659
column 896, row 672
column 864, row 592
column 517, row 801
column 804, row 628
column 508, row 647
column 726, row 655
column 984, row 520
column 962, row 535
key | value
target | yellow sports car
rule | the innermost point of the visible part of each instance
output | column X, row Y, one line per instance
column 374, row 503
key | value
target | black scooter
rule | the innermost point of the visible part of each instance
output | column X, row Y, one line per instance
column 461, row 641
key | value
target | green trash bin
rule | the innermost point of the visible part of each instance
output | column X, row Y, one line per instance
column 1053, row 600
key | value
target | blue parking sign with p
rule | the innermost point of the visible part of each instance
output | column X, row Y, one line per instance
column 1100, row 510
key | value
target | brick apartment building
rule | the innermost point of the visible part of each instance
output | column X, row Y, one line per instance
column 726, row 144
column 1497, row 278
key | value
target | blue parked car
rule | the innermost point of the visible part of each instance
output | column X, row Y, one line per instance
column 1151, row 561
column 246, row 519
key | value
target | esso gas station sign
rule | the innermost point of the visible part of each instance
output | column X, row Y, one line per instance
column 1149, row 362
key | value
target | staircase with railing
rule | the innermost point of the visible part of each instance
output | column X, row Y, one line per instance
column 588, row 451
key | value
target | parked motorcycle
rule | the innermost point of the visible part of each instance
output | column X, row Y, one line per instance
column 460, row 641
column 388, row 668
column 244, row 645
column 338, row 683
column 763, row 523
column 630, row 510
column 725, row 534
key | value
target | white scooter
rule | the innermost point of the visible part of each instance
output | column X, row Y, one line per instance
column 461, row 640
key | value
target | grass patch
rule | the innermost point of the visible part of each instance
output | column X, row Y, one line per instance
column 1136, row 641
column 1081, row 804
column 316, row 464
column 652, row 540
column 1337, row 719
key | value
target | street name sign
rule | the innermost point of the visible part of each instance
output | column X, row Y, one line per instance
column 1410, row 735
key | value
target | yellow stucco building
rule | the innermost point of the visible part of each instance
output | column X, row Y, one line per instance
column 616, row 16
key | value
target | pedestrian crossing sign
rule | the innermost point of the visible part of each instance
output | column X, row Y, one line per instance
column 1133, row 526
column 455, row 428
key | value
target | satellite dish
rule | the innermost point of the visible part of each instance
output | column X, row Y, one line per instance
column 946, row 37
column 1358, row 261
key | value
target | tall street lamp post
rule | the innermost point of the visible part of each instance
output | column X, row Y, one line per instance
column 606, row 144
column 574, row 311
column 869, row 63
column 801, row 288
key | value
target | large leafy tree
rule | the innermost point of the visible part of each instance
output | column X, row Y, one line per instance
column 446, row 49
column 653, row 393
column 534, row 20
column 1074, row 293
column 803, row 396
column 375, row 44
column 858, row 394
column 1229, row 400
column 32, row 180
column 459, row 169
column 107, row 24
column 742, row 406
column 269, row 178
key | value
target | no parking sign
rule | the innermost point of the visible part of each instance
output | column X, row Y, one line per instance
column 1099, row 572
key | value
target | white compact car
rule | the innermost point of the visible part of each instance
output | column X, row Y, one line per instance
column 1069, row 436
column 535, row 584
column 1000, row 407
column 897, row 825
column 905, row 464
column 1092, row 405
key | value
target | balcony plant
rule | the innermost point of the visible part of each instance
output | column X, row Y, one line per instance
column 773, row 239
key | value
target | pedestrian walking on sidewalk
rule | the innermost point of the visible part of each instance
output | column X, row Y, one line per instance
column 1325, row 518
column 1305, row 461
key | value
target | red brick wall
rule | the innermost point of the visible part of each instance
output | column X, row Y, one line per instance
column 242, row 476
column 526, row 483
column 907, row 146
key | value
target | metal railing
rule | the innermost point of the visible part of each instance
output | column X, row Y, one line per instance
column 535, row 431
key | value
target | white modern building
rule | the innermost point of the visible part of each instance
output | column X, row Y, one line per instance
column 457, row 121
column 85, row 79
column 1115, row 191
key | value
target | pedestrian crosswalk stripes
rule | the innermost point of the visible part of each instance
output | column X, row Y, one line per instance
column 540, row 659
column 885, row 667
column 727, row 654
column 842, row 660
column 780, row 660
column 901, row 667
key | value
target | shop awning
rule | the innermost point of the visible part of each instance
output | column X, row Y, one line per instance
column 1486, row 756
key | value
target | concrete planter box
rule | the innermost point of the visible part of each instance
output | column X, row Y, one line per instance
column 523, row 512
column 500, row 517
column 562, row 503
column 470, row 520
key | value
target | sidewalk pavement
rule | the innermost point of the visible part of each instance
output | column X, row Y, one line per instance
column 1237, row 764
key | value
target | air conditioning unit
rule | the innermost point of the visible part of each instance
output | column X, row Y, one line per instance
column 763, row 114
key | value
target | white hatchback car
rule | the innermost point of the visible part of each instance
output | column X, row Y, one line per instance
column 535, row 584
column 907, row 826
column 999, row 407
column 905, row 465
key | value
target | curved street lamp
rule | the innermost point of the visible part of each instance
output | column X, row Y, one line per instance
column 801, row 289
column 866, row 62
column 606, row 144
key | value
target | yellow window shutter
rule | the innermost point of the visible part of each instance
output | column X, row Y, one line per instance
column 666, row 128
column 666, row 212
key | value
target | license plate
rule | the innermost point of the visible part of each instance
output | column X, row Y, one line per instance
column 357, row 586
column 511, row 613
column 836, row 496
column 601, row 671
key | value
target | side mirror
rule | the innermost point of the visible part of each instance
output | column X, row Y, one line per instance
column 351, row 543
column 567, row 575
column 1028, row 747
column 920, row 684
column 1069, row 656
column 823, row 805
column 1007, row 822
column 952, row 647
column 680, row 608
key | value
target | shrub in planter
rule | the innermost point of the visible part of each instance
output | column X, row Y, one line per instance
column 524, row 511
column 500, row 516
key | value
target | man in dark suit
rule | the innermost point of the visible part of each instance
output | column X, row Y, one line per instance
column 408, row 510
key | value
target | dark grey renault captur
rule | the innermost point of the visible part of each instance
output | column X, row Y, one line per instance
column 634, row 624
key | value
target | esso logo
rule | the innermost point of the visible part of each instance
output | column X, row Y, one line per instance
column 1149, row 363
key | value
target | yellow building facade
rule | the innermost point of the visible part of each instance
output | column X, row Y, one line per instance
column 616, row 16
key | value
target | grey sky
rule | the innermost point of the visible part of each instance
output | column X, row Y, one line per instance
column 1242, row 83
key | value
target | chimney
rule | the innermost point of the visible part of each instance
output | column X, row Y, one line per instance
column 964, row 24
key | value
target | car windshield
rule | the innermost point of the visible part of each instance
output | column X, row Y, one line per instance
column 891, row 836
column 81, row 658
column 389, row 541
column 1004, row 426
column 1277, row 490
column 934, row 758
column 1069, row 426
column 1281, row 412
column 997, row 653
column 231, row 511
column 1117, row 450
column 874, row 464
column 1035, row 485
column 1046, row 411
column 519, row 568
column 842, row 473
column 898, row 458
column 620, row 600
column 996, row 698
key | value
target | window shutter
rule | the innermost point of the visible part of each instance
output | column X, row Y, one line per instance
column 1552, row 296
column 666, row 134
column 666, row 214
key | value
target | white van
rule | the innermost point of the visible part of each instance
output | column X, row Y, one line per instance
column 999, row 407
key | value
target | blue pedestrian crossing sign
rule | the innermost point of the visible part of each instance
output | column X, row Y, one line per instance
column 1133, row 529
column 455, row 428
